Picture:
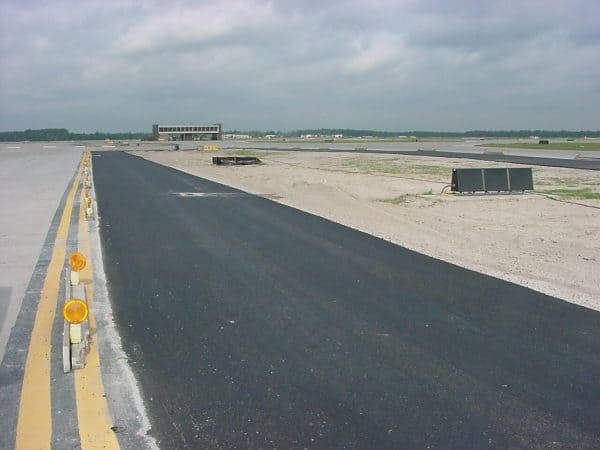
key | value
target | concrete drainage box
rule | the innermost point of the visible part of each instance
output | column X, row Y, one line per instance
column 235, row 160
column 492, row 180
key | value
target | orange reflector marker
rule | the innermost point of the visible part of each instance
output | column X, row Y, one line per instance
column 75, row 311
column 77, row 261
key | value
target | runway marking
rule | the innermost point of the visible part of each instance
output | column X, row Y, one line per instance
column 12, row 148
column 49, row 146
column 212, row 194
column 34, row 422
column 93, row 414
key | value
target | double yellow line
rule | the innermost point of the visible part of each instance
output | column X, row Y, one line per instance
column 34, row 426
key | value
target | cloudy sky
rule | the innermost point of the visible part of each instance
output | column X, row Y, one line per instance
column 376, row 64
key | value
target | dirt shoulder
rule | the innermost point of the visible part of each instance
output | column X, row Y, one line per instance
column 547, row 245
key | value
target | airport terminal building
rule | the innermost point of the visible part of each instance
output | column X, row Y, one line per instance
column 187, row 132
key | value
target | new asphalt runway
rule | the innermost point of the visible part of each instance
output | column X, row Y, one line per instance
column 588, row 163
column 250, row 324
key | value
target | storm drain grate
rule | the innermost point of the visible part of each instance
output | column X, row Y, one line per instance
column 235, row 160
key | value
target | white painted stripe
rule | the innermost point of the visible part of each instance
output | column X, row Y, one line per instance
column 49, row 146
column 13, row 147
column 211, row 194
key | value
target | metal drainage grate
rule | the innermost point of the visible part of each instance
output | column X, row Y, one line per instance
column 235, row 160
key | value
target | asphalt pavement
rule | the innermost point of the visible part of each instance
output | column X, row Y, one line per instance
column 250, row 324
column 587, row 163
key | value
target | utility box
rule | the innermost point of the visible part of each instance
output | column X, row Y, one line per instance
column 495, row 180
column 492, row 180
column 520, row 179
column 467, row 180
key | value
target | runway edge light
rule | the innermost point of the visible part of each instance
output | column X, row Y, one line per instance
column 75, row 311
column 77, row 262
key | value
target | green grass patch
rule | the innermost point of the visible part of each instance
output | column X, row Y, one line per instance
column 393, row 167
column 425, row 169
column 587, row 146
column 396, row 200
column 350, row 140
column 581, row 194
column 370, row 165
column 255, row 153
column 568, row 182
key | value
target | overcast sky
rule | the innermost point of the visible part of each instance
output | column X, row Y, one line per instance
column 379, row 64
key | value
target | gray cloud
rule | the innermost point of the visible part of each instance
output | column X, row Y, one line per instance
column 122, row 65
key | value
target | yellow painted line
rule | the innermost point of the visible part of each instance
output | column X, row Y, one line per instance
column 92, row 410
column 34, row 424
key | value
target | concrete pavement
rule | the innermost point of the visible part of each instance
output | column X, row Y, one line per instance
column 97, row 406
column 33, row 179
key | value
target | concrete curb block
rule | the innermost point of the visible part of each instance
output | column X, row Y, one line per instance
column 74, row 353
column 76, row 336
column 66, row 343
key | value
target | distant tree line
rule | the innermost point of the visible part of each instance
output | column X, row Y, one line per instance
column 62, row 134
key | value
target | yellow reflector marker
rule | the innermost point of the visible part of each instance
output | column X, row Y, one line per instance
column 77, row 261
column 75, row 311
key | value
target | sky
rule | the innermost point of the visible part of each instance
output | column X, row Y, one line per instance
column 283, row 65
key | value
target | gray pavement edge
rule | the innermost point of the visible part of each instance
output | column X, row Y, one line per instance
column 12, row 367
